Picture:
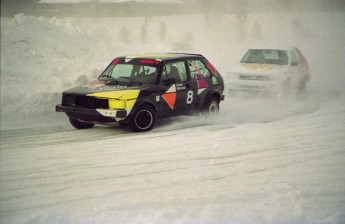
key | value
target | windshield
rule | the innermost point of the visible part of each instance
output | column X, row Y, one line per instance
column 258, row 56
column 135, row 71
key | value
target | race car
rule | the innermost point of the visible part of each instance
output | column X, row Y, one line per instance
column 135, row 90
column 273, row 71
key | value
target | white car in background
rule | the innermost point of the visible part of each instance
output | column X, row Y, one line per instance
column 275, row 71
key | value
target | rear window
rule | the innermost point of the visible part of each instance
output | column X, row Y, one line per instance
column 266, row 56
column 198, row 68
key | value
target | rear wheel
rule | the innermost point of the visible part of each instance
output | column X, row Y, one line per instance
column 143, row 119
column 301, row 87
column 79, row 124
column 211, row 106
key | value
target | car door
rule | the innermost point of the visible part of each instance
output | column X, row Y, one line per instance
column 203, row 79
column 179, row 94
column 304, row 68
column 294, row 69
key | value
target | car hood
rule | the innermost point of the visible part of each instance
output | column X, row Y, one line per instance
column 249, row 68
column 103, row 89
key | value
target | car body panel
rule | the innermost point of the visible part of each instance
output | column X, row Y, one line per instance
column 272, row 76
column 113, row 100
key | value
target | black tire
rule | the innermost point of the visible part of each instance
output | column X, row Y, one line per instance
column 143, row 119
column 211, row 106
column 79, row 124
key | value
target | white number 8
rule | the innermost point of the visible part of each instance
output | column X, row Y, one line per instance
column 189, row 97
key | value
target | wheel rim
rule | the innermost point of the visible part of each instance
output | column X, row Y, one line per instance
column 144, row 119
column 213, row 107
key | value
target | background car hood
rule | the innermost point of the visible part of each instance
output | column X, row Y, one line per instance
column 102, row 89
column 249, row 68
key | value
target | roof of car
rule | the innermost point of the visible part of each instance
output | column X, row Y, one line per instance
column 163, row 56
column 285, row 48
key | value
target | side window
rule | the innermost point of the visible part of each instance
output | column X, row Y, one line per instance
column 197, row 67
column 301, row 56
column 294, row 60
column 175, row 70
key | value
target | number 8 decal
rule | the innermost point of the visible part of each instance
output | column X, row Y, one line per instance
column 189, row 97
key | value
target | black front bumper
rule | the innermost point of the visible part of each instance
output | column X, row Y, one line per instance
column 92, row 115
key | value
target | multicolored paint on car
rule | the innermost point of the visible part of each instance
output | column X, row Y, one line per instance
column 143, row 87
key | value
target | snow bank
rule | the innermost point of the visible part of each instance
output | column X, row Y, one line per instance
column 41, row 57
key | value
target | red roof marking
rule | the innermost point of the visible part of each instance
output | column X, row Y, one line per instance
column 116, row 60
column 212, row 68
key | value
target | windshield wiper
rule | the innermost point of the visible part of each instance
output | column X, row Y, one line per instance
column 131, row 80
column 110, row 79
column 106, row 77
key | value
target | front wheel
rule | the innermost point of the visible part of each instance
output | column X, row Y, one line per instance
column 79, row 124
column 143, row 119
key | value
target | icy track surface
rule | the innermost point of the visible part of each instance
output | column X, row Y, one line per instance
column 266, row 170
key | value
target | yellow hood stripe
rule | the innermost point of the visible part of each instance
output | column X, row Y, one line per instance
column 122, row 94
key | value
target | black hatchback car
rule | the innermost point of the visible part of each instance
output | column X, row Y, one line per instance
column 135, row 90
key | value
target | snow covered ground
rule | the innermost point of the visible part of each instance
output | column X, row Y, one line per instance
column 262, row 161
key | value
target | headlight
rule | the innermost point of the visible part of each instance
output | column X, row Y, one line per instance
column 117, row 104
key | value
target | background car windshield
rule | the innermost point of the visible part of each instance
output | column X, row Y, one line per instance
column 278, row 57
column 142, row 73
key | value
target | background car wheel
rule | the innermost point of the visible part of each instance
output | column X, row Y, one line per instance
column 143, row 119
column 211, row 106
column 301, row 87
column 285, row 89
column 79, row 124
